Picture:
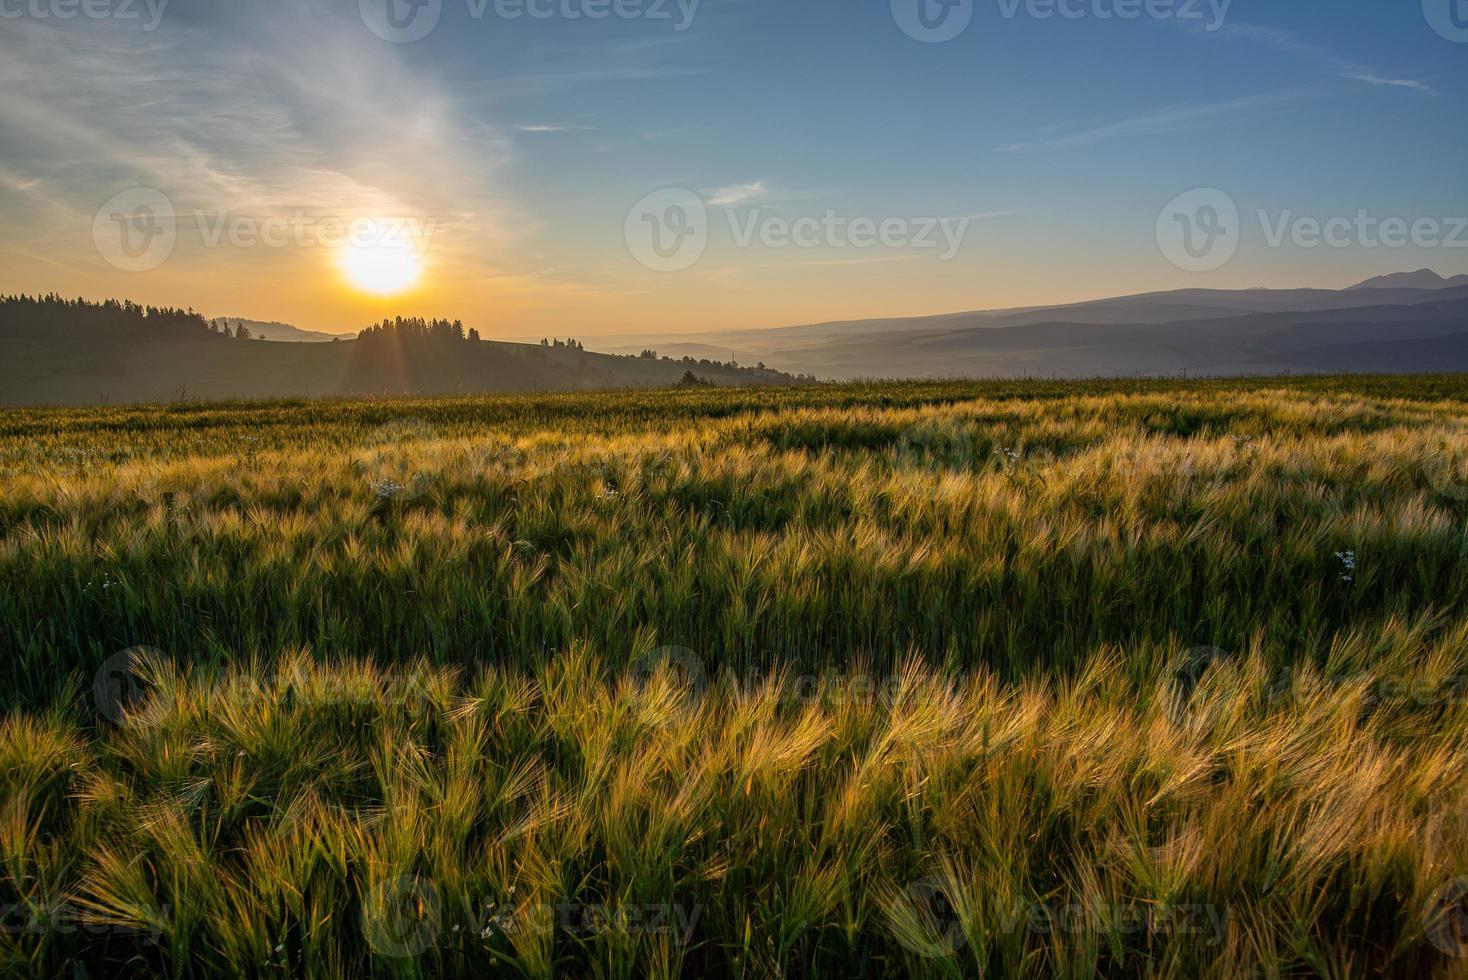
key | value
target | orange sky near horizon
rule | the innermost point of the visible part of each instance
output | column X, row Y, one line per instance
column 306, row 287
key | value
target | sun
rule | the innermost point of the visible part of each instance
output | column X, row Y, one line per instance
column 380, row 266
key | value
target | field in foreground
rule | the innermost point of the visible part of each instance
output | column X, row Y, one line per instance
column 1153, row 678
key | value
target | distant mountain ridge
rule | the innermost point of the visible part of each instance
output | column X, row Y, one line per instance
column 1207, row 331
column 283, row 332
column 1421, row 279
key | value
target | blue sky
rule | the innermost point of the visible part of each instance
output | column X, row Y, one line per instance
column 524, row 143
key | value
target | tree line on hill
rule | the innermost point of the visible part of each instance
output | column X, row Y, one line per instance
column 52, row 314
column 54, row 349
column 29, row 315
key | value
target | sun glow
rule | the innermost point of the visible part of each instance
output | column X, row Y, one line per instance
column 381, row 264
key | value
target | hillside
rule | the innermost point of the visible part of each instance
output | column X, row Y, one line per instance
column 55, row 351
column 283, row 332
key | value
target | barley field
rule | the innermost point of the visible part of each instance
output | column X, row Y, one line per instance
column 1022, row 679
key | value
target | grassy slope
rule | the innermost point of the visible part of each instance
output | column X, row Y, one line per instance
column 90, row 369
column 939, row 707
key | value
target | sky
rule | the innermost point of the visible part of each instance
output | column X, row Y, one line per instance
column 612, row 167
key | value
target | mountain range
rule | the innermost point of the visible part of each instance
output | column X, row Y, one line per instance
column 1421, row 318
column 66, row 352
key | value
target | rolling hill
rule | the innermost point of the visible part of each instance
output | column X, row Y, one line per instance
column 55, row 351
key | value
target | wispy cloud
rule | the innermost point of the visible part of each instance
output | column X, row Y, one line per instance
column 1167, row 120
column 1371, row 78
column 1181, row 118
column 549, row 128
column 1327, row 61
column 736, row 194
column 243, row 125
